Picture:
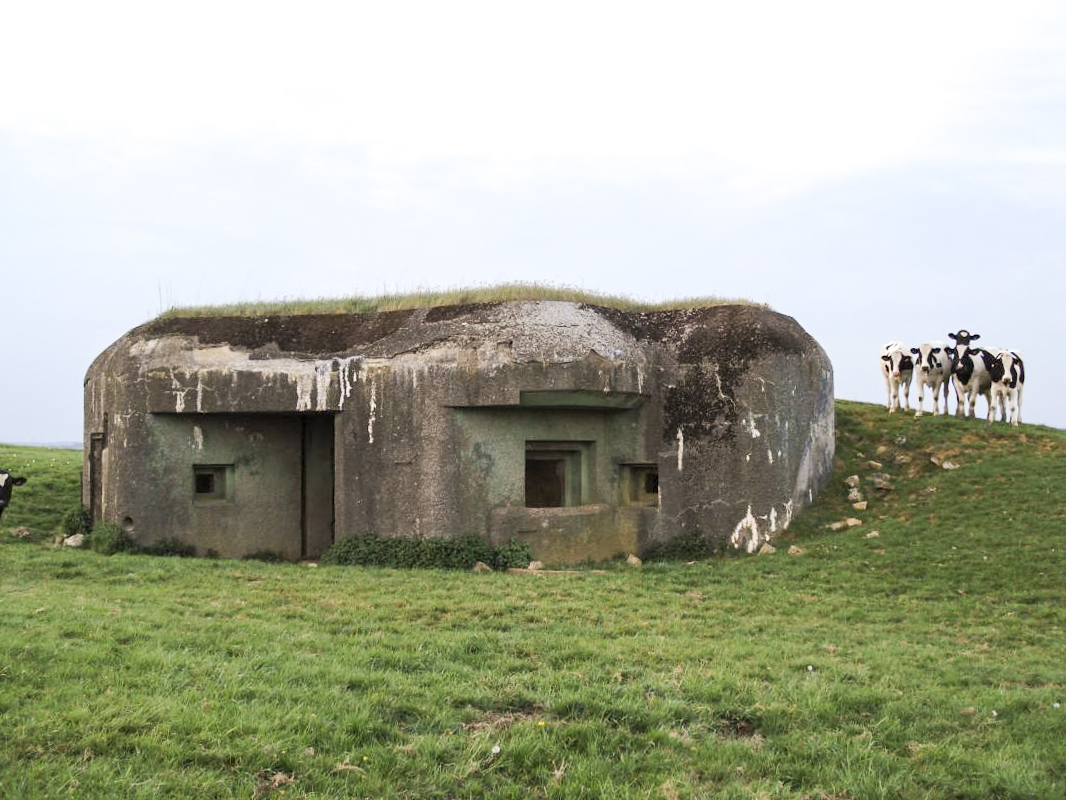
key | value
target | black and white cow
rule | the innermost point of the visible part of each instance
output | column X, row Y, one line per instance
column 7, row 483
column 1007, row 372
column 932, row 361
column 897, row 367
column 969, row 373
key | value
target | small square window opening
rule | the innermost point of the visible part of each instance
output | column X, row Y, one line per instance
column 212, row 481
column 640, row 484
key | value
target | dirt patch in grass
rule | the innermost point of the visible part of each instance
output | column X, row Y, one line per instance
column 494, row 721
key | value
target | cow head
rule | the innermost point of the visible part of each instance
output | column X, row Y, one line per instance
column 964, row 337
column 895, row 360
column 928, row 356
column 1006, row 368
column 996, row 369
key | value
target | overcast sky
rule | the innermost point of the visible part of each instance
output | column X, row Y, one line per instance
column 878, row 171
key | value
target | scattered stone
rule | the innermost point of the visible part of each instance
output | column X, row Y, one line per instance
column 77, row 540
column 880, row 551
column 543, row 572
column 881, row 481
column 767, row 549
column 851, row 522
column 633, row 561
column 837, row 526
column 311, row 564
column 899, row 461
column 852, row 480
column 881, row 449
column 901, row 440
column 969, row 711
column 950, row 465
column 873, row 534
column 855, row 495
column 21, row 533
column 795, row 550
column 874, row 465
column 859, row 506
column 929, row 489
column 481, row 566
column 936, row 460
column 536, row 565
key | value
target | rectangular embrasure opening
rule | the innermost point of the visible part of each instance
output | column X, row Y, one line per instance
column 555, row 474
column 640, row 484
column 212, row 481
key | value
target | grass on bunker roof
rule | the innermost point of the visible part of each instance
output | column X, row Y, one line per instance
column 923, row 662
column 431, row 298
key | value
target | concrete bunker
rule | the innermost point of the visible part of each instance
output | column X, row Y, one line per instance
column 583, row 430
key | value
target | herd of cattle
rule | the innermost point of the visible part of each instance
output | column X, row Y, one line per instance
column 997, row 374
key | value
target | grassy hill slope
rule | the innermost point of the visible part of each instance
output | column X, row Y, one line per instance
column 921, row 662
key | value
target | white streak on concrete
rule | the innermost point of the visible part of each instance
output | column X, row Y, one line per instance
column 773, row 520
column 323, row 379
column 640, row 381
column 199, row 393
column 197, row 437
column 721, row 394
column 680, row 449
column 770, row 455
column 373, row 410
column 746, row 533
column 788, row 515
column 346, row 384
column 179, row 395
column 304, row 382
column 751, row 427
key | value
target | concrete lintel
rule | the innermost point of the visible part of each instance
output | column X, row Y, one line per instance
column 581, row 399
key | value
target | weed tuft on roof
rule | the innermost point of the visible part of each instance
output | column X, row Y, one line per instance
column 431, row 298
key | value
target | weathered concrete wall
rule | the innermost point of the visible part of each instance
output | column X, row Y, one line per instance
column 419, row 423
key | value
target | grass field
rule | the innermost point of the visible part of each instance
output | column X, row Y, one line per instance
column 926, row 661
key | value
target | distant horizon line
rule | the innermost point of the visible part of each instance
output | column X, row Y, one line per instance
column 68, row 445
